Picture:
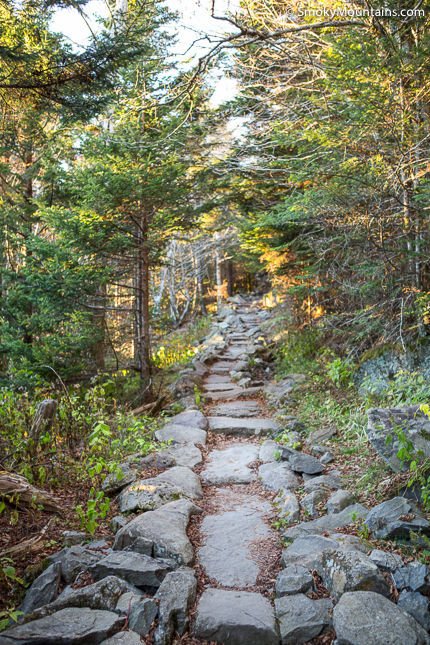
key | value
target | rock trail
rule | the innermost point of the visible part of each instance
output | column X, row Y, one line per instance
column 196, row 557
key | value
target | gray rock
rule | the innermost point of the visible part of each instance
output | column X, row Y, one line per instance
column 191, row 419
column 140, row 570
column 287, row 506
column 343, row 571
column 166, row 528
column 181, row 434
column 292, row 580
column 142, row 615
column 339, row 500
column 331, row 482
column 118, row 522
column 231, row 465
column 231, row 395
column 414, row 576
column 417, row 606
column 127, row 600
column 184, row 479
column 103, row 594
column 301, row 619
column 386, row 561
column 383, row 620
column 328, row 523
column 175, row 596
column 239, row 409
column 44, row 589
column 235, row 618
column 147, row 495
column 300, row 462
column 66, row 627
column 396, row 518
column 124, row 475
column 186, row 454
column 322, row 435
column 76, row 560
column 248, row 427
column 327, row 458
column 279, row 392
column 71, row 538
column 312, row 501
column 384, row 425
column 123, row 638
column 228, row 538
column 277, row 475
column 269, row 451
column 308, row 551
column 141, row 545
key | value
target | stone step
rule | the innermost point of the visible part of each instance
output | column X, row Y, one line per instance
column 231, row 465
column 237, row 393
column 239, row 409
column 245, row 427
column 235, row 618
column 231, row 536
column 216, row 379
column 219, row 387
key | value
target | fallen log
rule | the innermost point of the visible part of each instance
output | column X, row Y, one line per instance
column 29, row 545
column 17, row 491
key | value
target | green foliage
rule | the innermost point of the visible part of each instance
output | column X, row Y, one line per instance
column 299, row 352
column 340, row 372
column 96, row 509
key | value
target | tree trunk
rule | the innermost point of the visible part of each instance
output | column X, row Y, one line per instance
column 142, row 313
column 230, row 277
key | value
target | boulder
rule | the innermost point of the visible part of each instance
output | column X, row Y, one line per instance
column 414, row 576
column 339, row 500
column 175, row 598
column 140, row 570
column 123, row 638
column 311, row 502
column 330, row 482
column 383, row 620
column 70, row 626
column 328, row 523
column 277, row 475
column 124, row 475
column 186, row 454
column 292, row 580
column 141, row 616
column 184, row 479
column 287, row 506
column 308, row 551
column 76, row 560
column 384, row 425
column 165, row 528
column 103, row 594
column 417, row 606
column 127, row 600
column 44, row 589
column 300, row 462
column 321, row 436
column 191, row 419
column 343, row 571
column 301, row 619
column 396, row 518
column 385, row 560
column 269, row 451
column 236, row 618
column 71, row 538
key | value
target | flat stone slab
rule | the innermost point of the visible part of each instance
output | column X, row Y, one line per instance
column 216, row 379
column 220, row 387
column 235, row 618
column 237, row 393
column 277, row 476
column 165, row 528
column 238, row 409
column 231, row 466
column 181, row 434
column 228, row 538
column 242, row 427
column 70, row 626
